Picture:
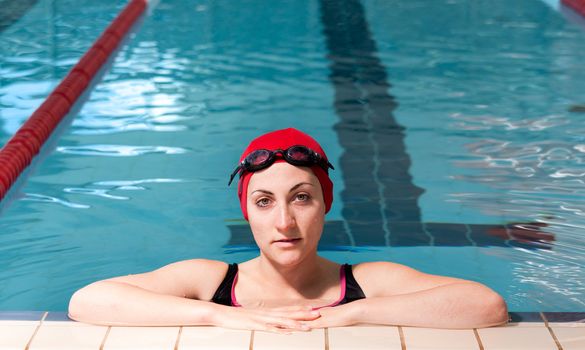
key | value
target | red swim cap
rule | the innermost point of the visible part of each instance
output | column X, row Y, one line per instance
column 283, row 139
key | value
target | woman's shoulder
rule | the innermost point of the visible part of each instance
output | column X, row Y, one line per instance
column 193, row 278
column 383, row 278
column 378, row 278
column 208, row 273
column 197, row 264
column 191, row 268
column 203, row 275
column 376, row 267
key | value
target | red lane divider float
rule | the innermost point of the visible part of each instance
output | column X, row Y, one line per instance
column 577, row 5
column 19, row 151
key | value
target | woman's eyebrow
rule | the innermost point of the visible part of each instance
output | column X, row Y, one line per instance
column 263, row 191
column 291, row 190
column 299, row 185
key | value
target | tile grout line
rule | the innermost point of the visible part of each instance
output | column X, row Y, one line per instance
column 478, row 338
column 36, row 331
column 552, row 334
column 326, row 331
column 402, row 341
column 178, row 338
column 105, row 337
column 251, row 347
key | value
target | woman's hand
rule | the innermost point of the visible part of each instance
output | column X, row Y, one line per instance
column 279, row 320
column 337, row 316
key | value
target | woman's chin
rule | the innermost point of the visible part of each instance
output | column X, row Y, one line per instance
column 287, row 258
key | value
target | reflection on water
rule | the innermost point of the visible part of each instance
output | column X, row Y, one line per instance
column 35, row 197
column 134, row 185
column 119, row 150
column 544, row 179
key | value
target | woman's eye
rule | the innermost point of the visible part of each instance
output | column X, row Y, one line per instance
column 263, row 202
column 303, row 197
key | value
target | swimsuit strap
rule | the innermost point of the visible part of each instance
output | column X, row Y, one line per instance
column 223, row 294
column 350, row 289
column 353, row 291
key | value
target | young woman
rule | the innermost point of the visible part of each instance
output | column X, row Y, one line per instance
column 285, row 192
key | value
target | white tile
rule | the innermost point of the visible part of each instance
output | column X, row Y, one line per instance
column 69, row 324
column 427, row 338
column 567, row 324
column 525, row 324
column 143, row 338
column 19, row 323
column 16, row 336
column 364, row 337
column 513, row 337
column 571, row 338
column 68, row 335
column 314, row 339
column 214, row 338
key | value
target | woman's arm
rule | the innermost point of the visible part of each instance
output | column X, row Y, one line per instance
column 398, row 295
column 459, row 306
column 120, row 304
column 168, row 297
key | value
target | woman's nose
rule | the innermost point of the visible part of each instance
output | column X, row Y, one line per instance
column 285, row 219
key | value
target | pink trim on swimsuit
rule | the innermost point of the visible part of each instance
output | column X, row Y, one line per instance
column 341, row 297
column 234, row 301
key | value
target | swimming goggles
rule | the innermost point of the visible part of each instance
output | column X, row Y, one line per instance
column 295, row 155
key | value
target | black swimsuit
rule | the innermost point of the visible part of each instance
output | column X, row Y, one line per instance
column 350, row 289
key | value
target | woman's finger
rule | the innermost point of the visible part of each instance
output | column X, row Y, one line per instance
column 287, row 324
column 296, row 315
column 293, row 308
column 304, row 315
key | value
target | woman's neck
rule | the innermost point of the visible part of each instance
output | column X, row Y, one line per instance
column 306, row 279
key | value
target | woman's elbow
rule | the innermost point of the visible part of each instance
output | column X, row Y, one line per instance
column 77, row 306
column 495, row 310
column 85, row 304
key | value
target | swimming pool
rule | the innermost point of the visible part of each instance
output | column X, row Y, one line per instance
column 449, row 125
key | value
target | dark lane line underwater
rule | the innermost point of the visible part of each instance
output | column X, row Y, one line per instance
column 12, row 10
column 388, row 196
column 390, row 204
column 380, row 200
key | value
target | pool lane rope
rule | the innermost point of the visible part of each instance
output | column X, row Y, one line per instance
column 26, row 143
column 577, row 5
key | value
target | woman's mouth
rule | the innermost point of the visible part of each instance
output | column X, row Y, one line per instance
column 287, row 241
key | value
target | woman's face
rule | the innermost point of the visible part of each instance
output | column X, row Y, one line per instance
column 286, row 212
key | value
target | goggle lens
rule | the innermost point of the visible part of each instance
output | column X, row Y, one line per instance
column 257, row 158
column 299, row 154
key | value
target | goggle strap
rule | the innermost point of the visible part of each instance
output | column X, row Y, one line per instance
column 236, row 171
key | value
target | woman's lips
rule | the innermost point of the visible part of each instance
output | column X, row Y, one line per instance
column 287, row 241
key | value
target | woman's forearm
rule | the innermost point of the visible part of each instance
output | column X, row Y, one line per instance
column 457, row 306
column 119, row 304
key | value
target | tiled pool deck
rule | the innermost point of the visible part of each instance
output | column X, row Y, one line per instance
column 53, row 330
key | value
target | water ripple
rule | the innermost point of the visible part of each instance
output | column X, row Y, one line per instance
column 118, row 185
column 129, row 183
column 119, row 150
column 94, row 192
column 489, row 122
column 34, row 197
column 134, row 185
column 544, row 159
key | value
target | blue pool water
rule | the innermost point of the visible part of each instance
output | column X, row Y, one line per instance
column 453, row 127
